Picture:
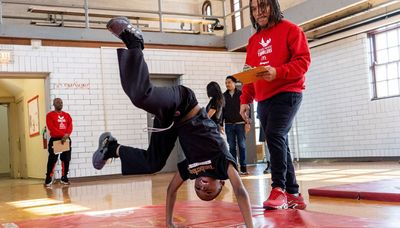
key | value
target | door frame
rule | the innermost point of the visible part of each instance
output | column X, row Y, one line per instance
column 8, row 101
column 18, row 161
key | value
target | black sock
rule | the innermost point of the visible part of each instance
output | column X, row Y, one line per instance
column 130, row 41
column 112, row 148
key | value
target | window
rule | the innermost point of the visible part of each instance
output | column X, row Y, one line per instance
column 236, row 17
column 207, row 11
column 386, row 63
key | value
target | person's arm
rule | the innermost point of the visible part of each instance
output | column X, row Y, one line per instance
column 211, row 112
column 69, row 129
column 245, row 112
column 247, row 128
column 300, row 58
column 241, row 195
column 173, row 187
column 223, row 114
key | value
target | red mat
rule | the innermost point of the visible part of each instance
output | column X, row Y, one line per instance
column 201, row 214
column 384, row 190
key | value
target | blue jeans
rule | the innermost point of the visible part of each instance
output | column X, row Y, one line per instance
column 236, row 133
column 276, row 115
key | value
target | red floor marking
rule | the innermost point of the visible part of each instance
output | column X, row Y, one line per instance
column 198, row 214
column 384, row 190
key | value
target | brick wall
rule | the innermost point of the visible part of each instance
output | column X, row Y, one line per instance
column 87, row 79
column 338, row 117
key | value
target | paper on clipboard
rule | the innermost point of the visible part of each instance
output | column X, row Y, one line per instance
column 249, row 76
column 58, row 147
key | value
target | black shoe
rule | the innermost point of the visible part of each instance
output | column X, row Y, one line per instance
column 124, row 30
column 243, row 169
column 48, row 181
column 64, row 180
column 107, row 149
column 268, row 168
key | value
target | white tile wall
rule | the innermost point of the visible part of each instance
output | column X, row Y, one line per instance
column 338, row 117
column 105, row 107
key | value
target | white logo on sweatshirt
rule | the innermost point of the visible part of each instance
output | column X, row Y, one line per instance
column 62, row 120
column 266, row 48
column 265, row 44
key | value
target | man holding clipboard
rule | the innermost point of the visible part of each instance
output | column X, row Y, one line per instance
column 59, row 123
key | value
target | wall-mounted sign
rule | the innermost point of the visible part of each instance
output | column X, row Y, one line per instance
column 5, row 56
column 33, row 116
column 72, row 85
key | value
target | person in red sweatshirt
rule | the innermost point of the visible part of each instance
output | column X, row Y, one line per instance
column 59, row 123
column 281, row 47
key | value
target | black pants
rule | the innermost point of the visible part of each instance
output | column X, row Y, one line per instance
column 168, row 104
column 65, row 158
column 276, row 116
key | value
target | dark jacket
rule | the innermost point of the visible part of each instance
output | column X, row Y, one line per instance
column 231, row 111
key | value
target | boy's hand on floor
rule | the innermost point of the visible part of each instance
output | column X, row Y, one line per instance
column 177, row 226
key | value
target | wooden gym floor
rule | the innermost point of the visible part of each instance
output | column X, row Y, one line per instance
column 28, row 199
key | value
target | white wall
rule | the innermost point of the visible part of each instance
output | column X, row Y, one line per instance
column 87, row 79
column 338, row 117
column 4, row 144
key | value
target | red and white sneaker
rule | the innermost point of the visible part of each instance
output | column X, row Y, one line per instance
column 276, row 200
column 295, row 202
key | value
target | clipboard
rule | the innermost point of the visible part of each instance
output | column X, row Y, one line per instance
column 58, row 147
column 249, row 76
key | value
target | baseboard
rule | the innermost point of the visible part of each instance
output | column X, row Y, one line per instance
column 5, row 174
column 351, row 159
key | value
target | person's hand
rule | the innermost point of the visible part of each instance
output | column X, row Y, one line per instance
column 269, row 74
column 222, row 130
column 66, row 136
column 247, row 128
column 172, row 225
column 244, row 112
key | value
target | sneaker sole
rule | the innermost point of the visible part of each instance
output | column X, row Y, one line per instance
column 98, row 156
column 64, row 183
column 281, row 207
column 110, row 24
column 297, row 206
column 48, row 185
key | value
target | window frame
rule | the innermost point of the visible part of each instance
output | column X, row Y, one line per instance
column 374, row 63
column 207, row 4
column 234, row 27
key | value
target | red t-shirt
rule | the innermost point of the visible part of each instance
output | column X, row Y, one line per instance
column 59, row 124
column 284, row 47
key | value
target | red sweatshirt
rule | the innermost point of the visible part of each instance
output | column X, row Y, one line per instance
column 59, row 124
column 284, row 47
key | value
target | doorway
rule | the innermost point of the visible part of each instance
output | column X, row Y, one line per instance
column 177, row 153
column 26, row 155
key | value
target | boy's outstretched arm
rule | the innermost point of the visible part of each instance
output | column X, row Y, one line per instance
column 173, row 187
column 241, row 195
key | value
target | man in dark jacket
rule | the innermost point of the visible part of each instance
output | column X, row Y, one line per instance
column 235, row 127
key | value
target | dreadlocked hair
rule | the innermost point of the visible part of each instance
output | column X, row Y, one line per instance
column 275, row 15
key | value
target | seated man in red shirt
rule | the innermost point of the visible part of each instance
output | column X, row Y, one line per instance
column 177, row 115
column 59, row 123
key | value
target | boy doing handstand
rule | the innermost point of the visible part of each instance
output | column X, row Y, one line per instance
column 178, row 115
